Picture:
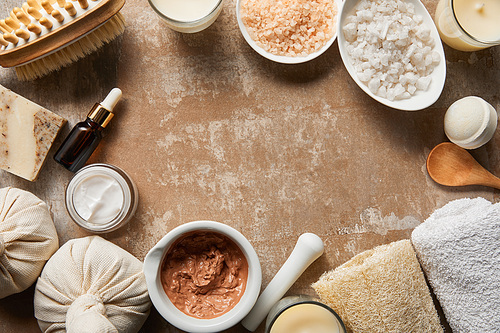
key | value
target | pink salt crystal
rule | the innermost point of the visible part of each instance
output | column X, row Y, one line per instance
column 310, row 22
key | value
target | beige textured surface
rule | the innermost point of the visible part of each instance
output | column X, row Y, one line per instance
column 208, row 129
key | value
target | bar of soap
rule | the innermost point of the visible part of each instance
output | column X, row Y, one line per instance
column 27, row 132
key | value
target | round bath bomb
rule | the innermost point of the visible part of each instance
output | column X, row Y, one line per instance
column 28, row 239
column 91, row 285
column 470, row 122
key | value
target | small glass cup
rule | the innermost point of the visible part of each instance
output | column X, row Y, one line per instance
column 127, row 187
column 454, row 34
column 187, row 25
column 306, row 306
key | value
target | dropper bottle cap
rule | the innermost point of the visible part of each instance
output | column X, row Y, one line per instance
column 102, row 113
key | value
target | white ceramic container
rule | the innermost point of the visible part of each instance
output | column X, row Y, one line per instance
column 152, row 269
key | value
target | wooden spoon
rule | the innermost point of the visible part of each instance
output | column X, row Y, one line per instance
column 450, row 165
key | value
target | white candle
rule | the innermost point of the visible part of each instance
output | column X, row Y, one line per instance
column 469, row 25
column 306, row 318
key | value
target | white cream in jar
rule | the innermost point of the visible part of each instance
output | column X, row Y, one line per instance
column 98, row 199
column 101, row 198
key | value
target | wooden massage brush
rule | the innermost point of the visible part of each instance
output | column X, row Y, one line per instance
column 45, row 35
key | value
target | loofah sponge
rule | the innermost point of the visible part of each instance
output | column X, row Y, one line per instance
column 381, row 290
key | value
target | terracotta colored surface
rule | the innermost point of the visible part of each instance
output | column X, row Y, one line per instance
column 208, row 129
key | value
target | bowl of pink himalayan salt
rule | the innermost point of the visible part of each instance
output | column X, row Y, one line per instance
column 288, row 31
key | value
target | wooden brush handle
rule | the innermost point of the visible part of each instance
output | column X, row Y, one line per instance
column 61, row 36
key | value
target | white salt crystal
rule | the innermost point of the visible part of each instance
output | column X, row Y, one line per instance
column 403, row 80
column 391, row 94
column 374, row 85
column 428, row 59
column 423, row 83
column 417, row 57
column 365, row 15
column 384, row 59
column 435, row 57
column 382, row 92
column 405, row 95
column 411, row 77
column 390, row 47
column 399, row 90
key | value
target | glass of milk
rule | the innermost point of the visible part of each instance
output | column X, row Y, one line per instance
column 468, row 25
column 187, row 16
column 303, row 314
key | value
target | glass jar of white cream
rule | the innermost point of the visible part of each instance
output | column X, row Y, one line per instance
column 101, row 198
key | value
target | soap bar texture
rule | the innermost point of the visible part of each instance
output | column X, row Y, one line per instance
column 381, row 290
column 459, row 249
column 27, row 132
column 91, row 285
column 28, row 238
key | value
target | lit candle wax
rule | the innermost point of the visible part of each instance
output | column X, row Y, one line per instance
column 469, row 25
column 306, row 318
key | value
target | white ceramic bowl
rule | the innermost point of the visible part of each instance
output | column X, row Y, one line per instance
column 152, row 268
column 421, row 99
column 278, row 58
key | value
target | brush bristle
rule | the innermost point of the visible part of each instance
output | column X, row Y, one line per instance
column 114, row 27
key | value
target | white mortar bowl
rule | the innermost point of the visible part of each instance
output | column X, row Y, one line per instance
column 152, row 268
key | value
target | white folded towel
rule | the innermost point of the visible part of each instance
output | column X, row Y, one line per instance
column 459, row 249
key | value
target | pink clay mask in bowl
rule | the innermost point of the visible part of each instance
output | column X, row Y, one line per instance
column 154, row 264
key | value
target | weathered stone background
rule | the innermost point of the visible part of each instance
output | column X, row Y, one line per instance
column 209, row 129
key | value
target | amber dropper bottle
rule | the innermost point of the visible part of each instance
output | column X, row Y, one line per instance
column 86, row 135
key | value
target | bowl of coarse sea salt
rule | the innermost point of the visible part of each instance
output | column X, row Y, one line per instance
column 288, row 31
column 392, row 50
